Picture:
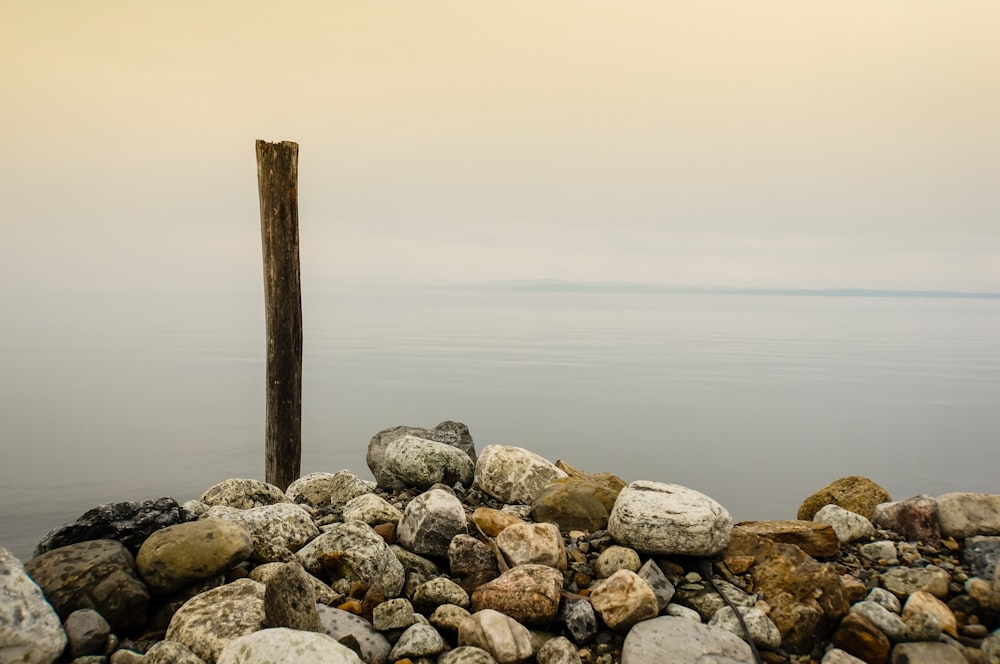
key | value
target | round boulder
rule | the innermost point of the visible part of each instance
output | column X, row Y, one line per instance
column 855, row 493
column 513, row 474
column 178, row 556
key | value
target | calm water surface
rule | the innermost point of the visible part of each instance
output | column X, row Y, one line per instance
column 754, row 400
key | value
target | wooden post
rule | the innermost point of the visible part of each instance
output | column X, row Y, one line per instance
column 277, row 176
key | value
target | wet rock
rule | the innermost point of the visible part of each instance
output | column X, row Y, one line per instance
column 807, row 598
column 815, row 539
column 513, row 474
column 352, row 552
column 681, row 641
column 927, row 653
column 505, row 639
column 558, row 651
column 277, row 531
column 616, row 558
column 289, row 599
column 623, row 599
column 915, row 519
column 30, row 630
column 419, row 640
column 859, row 637
column 243, row 494
column 532, row 544
column 286, row 646
column 99, row 575
column 178, row 556
column 127, row 522
column 356, row 633
column 450, row 433
column 527, row 593
column 850, row 527
column 923, row 602
column 763, row 632
column 421, row 463
column 857, row 494
column 430, row 521
column 371, row 509
column 904, row 581
column 86, row 632
column 209, row 621
column 968, row 514
column 669, row 519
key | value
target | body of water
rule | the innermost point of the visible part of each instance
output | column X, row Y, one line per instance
column 755, row 400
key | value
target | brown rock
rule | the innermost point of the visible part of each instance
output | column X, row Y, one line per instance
column 807, row 598
column 815, row 539
column 856, row 494
column 860, row 637
column 529, row 594
column 916, row 519
column 492, row 521
column 572, row 503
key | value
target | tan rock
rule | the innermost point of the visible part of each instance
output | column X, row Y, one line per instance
column 860, row 637
column 623, row 599
column 183, row 554
column 857, row 494
column 815, row 539
column 924, row 602
column 533, row 543
column 504, row 638
column 529, row 594
column 492, row 521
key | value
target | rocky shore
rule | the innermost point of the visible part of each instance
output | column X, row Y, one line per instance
column 498, row 556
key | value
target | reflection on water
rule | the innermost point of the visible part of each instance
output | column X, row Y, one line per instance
column 754, row 400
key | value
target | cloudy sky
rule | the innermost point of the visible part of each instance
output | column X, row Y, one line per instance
column 774, row 143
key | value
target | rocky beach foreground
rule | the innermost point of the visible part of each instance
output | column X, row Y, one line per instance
column 499, row 556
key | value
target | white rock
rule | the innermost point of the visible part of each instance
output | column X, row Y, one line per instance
column 513, row 474
column 680, row 641
column 280, row 645
column 681, row 611
column 507, row 640
column 277, row 530
column 762, row 630
column 30, row 630
column 848, row 526
column 669, row 519
column 421, row 463
column 967, row 514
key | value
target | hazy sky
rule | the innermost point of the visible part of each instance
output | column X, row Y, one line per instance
column 841, row 143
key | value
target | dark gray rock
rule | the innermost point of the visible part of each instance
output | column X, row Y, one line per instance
column 99, row 575
column 290, row 601
column 128, row 522
column 577, row 613
column 982, row 553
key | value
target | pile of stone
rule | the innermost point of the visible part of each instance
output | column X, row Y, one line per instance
column 450, row 557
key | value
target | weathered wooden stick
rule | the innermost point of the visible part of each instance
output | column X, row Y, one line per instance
column 277, row 176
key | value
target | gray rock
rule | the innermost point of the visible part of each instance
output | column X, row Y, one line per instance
column 414, row 564
column 87, row 632
column 346, row 486
column 838, row 656
column 99, row 575
column 967, row 514
column 532, row 544
column 421, row 463
column 882, row 550
column 350, row 552
column 432, row 594
column 508, row 641
column 286, row 646
column 313, row 489
column 904, row 581
column 30, row 630
column 578, row 615
column 467, row 655
column 926, row 653
column 209, row 621
column 393, row 614
column 681, row 611
column 513, row 474
column 181, row 555
column 277, row 531
column 430, row 521
column 922, row 627
column 991, row 648
column 651, row 573
column 446, row 619
column 558, row 651
column 450, row 433
column 467, row 555
column 763, row 632
column 668, row 519
column 171, row 652
column 850, row 527
column 886, row 599
column 290, row 601
column 356, row 633
column 243, row 494
column 680, row 641
column 127, row 522
column 888, row 622
column 324, row 594
column 702, row 598
column 982, row 554
column 419, row 640
column 371, row 509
